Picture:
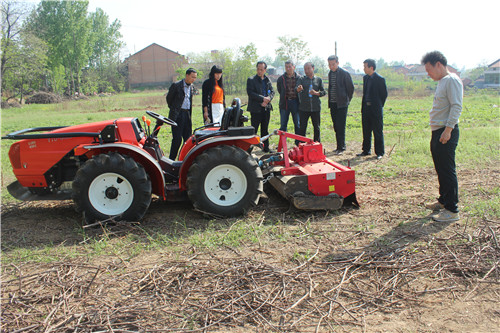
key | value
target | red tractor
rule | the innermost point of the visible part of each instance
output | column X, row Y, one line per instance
column 115, row 166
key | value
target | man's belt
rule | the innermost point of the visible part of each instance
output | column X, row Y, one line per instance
column 185, row 110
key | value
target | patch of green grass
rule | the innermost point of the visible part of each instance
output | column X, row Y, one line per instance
column 239, row 233
column 46, row 254
column 489, row 209
column 302, row 255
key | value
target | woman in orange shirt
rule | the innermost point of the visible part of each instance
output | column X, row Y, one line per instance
column 213, row 99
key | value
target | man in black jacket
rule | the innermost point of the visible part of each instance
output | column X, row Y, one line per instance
column 310, row 89
column 372, row 115
column 340, row 90
column 260, row 94
column 180, row 102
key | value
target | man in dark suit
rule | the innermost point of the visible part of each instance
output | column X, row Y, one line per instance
column 180, row 102
column 260, row 94
column 372, row 114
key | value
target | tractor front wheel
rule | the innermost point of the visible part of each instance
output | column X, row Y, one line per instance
column 112, row 185
column 224, row 180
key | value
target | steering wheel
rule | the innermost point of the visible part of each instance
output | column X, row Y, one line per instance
column 161, row 118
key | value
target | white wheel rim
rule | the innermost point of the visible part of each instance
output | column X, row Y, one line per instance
column 225, row 185
column 111, row 193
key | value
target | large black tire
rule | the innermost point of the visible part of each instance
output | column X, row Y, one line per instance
column 112, row 185
column 224, row 180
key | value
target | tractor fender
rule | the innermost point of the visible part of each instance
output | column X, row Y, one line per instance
column 243, row 142
column 150, row 164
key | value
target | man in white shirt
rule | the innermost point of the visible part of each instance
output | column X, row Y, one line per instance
column 446, row 110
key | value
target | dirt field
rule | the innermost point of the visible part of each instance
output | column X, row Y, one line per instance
column 386, row 267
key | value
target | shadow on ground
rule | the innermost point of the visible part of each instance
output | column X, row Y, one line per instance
column 394, row 241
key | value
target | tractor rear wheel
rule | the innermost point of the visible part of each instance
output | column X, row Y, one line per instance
column 224, row 180
column 112, row 185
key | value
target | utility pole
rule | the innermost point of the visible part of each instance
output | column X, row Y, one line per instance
column 335, row 47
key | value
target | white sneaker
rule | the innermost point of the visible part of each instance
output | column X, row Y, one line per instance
column 446, row 216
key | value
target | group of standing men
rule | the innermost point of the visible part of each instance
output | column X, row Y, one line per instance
column 300, row 99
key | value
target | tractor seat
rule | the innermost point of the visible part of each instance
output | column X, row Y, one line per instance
column 241, row 131
column 233, row 116
column 201, row 135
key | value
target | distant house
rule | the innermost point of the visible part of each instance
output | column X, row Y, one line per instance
column 153, row 66
column 350, row 70
column 418, row 72
column 492, row 75
column 479, row 83
column 400, row 69
column 467, row 82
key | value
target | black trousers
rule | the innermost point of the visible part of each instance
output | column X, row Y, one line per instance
column 443, row 156
column 372, row 120
column 180, row 133
column 261, row 119
column 339, row 116
column 316, row 122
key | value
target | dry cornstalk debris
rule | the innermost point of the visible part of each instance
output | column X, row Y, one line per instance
column 198, row 295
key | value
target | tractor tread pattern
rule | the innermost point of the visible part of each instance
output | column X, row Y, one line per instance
column 117, row 163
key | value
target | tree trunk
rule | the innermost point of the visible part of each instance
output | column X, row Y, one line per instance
column 72, row 91
column 21, row 90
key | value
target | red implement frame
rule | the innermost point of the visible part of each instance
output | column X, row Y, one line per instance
column 324, row 176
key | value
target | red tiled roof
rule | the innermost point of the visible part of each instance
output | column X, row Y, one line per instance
column 496, row 64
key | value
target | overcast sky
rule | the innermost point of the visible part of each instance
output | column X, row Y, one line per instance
column 467, row 32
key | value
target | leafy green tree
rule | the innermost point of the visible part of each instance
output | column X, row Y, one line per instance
column 278, row 62
column 24, row 58
column 86, row 45
column 31, row 63
column 243, row 67
column 381, row 63
column 104, row 40
column 248, row 52
column 65, row 27
column 105, row 72
column 13, row 14
column 397, row 63
column 475, row 73
column 57, row 79
column 292, row 48
column 320, row 65
column 237, row 66
column 391, row 75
